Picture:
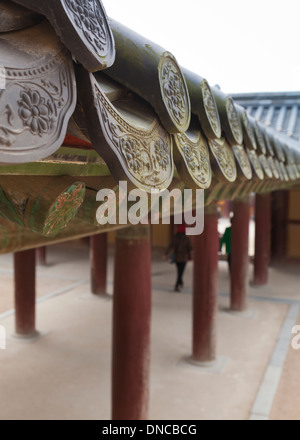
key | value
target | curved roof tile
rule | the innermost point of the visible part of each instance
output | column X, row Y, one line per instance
column 214, row 138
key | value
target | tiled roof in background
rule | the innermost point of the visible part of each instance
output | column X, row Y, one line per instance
column 139, row 110
column 280, row 111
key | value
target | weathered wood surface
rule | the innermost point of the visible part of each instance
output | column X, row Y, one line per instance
column 66, row 161
column 15, row 238
column 131, row 324
column 25, row 293
column 152, row 73
column 205, row 290
column 39, row 94
column 16, row 223
column 46, row 206
column 82, row 26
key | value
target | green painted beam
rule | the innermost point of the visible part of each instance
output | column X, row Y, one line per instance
column 68, row 161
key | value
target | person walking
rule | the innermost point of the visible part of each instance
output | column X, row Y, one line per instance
column 226, row 239
column 179, row 252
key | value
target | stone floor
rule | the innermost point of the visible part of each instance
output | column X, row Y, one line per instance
column 66, row 373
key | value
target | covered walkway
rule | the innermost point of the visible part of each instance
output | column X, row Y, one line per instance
column 66, row 374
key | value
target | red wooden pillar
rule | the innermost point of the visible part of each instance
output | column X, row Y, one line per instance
column 205, row 289
column 262, row 238
column 24, row 274
column 279, row 224
column 41, row 256
column 131, row 324
column 239, row 254
column 98, row 260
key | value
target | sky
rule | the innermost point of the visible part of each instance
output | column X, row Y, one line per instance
column 241, row 45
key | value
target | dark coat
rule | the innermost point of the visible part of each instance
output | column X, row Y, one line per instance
column 181, row 247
